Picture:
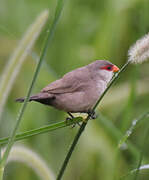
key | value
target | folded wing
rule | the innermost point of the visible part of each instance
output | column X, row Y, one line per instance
column 71, row 82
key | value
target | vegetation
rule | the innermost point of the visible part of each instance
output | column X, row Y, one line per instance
column 115, row 144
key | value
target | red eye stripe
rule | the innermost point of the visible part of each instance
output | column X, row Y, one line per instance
column 107, row 67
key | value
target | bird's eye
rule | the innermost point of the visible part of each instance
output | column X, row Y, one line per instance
column 109, row 68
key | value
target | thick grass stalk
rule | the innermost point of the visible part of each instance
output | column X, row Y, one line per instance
column 48, row 39
column 83, row 125
column 15, row 62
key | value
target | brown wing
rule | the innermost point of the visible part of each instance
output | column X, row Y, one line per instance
column 58, row 87
column 72, row 81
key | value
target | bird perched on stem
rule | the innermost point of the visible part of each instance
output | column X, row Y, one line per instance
column 78, row 90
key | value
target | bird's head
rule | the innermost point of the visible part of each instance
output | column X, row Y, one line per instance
column 102, row 69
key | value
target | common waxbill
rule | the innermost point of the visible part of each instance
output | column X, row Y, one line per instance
column 78, row 90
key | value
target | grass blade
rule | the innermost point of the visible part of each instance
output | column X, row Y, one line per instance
column 132, row 128
column 42, row 130
column 116, row 135
column 46, row 44
column 143, row 167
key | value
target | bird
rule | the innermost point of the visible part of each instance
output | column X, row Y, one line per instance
column 78, row 90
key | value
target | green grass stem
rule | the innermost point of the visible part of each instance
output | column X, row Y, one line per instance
column 51, row 30
column 132, row 128
column 83, row 125
column 42, row 130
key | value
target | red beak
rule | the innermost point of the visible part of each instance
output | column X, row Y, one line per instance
column 115, row 68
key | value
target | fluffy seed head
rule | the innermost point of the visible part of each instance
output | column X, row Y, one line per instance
column 139, row 52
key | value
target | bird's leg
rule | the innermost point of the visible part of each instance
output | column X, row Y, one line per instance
column 92, row 114
column 70, row 115
column 70, row 118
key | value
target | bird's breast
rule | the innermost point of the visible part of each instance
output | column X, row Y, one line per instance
column 100, row 87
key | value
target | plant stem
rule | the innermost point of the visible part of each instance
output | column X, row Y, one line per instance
column 132, row 127
column 72, row 147
column 83, row 125
column 43, row 54
column 109, row 127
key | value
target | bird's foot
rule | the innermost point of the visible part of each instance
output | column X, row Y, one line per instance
column 76, row 123
column 92, row 114
column 68, row 119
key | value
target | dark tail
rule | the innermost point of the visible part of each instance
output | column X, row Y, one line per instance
column 20, row 100
column 32, row 98
column 43, row 98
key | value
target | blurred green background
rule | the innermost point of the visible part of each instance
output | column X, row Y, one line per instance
column 88, row 30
